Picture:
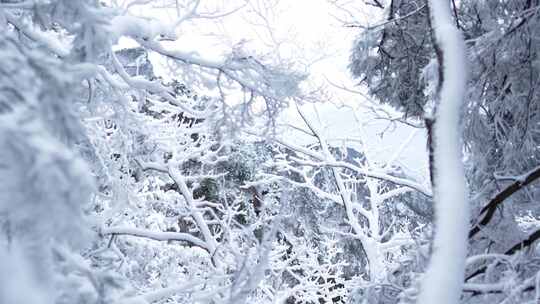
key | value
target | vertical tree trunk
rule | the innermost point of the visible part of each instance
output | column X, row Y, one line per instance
column 443, row 280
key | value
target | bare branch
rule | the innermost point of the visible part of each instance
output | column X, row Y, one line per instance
column 488, row 211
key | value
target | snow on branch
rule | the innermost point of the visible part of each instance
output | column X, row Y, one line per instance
column 484, row 287
column 155, row 235
column 443, row 280
column 519, row 246
column 47, row 40
column 247, row 71
column 533, row 237
column 488, row 211
column 154, row 87
column 321, row 161
column 210, row 242
column 179, row 180
column 163, row 293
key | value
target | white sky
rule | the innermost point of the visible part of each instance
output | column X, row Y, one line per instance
column 307, row 32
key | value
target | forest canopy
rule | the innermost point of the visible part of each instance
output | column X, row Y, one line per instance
column 152, row 153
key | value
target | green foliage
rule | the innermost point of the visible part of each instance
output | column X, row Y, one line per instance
column 238, row 171
column 207, row 189
column 390, row 59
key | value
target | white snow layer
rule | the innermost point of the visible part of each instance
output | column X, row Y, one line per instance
column 443, row 280
column 137, row 27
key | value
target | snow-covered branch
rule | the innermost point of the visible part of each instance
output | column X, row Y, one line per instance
column 155, row 235
column 161, row 294
column 47, row 40
column 321, row 161
column 451, row 206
